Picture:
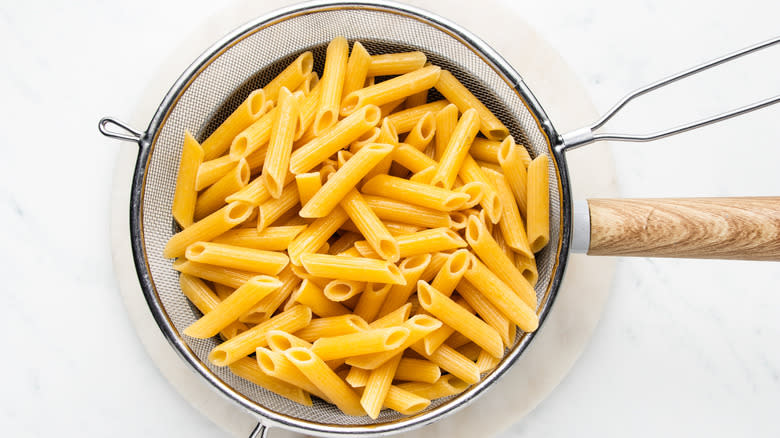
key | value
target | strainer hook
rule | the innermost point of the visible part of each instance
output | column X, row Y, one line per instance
column 119, row 130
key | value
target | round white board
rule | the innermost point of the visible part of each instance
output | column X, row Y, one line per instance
column 586, row 285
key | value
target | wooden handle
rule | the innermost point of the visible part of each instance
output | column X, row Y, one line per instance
column 702, row 228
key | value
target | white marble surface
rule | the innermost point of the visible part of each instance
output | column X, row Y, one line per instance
column 684, row 347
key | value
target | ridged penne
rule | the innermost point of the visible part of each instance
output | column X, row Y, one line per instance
column 237, row 257
column 217, row 274
column 357, row 68
column 412, row 158
column 360, row 343
column 269, row 211
column 330, row 384
column 211, row 171
column 270, row 239
column 422, row 132
column 252, row 108
column 418, row 326
column 504, row 298
column 283, row 128
column 391, row 89
column 538, row 204
column 511, row 223
column 248, row 369
column 207, row 228
column 316, row 234
column 457, row 149
column 405, row 120
column 185, row 194
column 378, row 385
column 470, row 171
column 352, row 268
column 509, row 157
column 448, row 359
column 292, row 76
column 457, row 93
column 371, row 300
column 211, row 199
column 394, row 210
column 396, row 63
column 205, row 300
column 311, row 295
column 343, row 290
column 332, row 326
column 420, row 194
column 332, row 84
column 370, row 226
column 487, row 311
column 276, row 364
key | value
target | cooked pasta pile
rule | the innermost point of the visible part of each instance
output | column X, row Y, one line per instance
column 334, row 259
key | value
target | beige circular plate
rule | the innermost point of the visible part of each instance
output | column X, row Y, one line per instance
column 586, row 285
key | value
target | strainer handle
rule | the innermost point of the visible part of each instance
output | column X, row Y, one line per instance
column 119, row 130
column 586, row 135
column 259, row 431
column 746, row 228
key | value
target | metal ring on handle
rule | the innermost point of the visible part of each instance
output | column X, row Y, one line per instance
column 583, row 136
column 129, row 134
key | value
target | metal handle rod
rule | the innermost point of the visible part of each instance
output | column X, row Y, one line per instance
column 583, row 136
column 119, row 130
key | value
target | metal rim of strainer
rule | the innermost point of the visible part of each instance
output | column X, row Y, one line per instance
column 147, row 139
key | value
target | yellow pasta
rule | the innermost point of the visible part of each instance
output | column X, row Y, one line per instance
column 237, row 257
column 417, row 370
column 470, row 171
column 451, row 273
column 370, row 226
column 185, row 195
column 352, row 268
column 411, row 269
column 283, row 128
column 280, row 341
column 254, row 193
column 346, row 178
column 396, row 63
column 504, row 298
column 511, row 223
column 211, row 171
column 387, row 135
column 487, row 311
column 275, row 364
column 420, row 194
column 371, row 300
column 457, row 93
column 528, row 267
column 486, row 362
column 269, row 211
column 207, row 228
column 310, row 81
column 475, row 189
column 249, row 370
column 405, row 402
column 446, row 386
column 389, row 107
column 394, row 318
column 463, row 321
column 332, row 326
column 500, row 265
column 357, row 377
column 332, row 140
column 405, row 120
column 228, row 277
column 456, row 150
column 416, row 99
column 316, row 234
column 391, row 89
column 315, row 369
column 211, row 199
column 312, row 296
column 450, row 360
column 509, row 157
column 470, row 351
column 418, row 326
column 422, row 133
column 344, row 242
column 205, row 300
column 246, row 343
column 357, row 68
column 412, row 158
column 332, row 84
column 422, row 242
column 235, row 305
column 360, row 343
column 393, row 210
column 342, row 290
column 538, row 204
column 270, row 239
column 378, row 385
column 250, row 110
column 266, row 307
column 437, row 262
column 486, row 150
column 292, row 76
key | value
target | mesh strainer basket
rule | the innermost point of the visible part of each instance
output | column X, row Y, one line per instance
column 214, row 85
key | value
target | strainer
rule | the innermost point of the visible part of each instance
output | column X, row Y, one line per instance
column 208, row 91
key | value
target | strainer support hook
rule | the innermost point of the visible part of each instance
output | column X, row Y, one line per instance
column 119, row 130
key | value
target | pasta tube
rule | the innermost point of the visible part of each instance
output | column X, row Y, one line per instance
column 371, row 300
column 446, row 386
column 237, row 257
column 420, row 194
column 538, row 204
column 419, row 326
column 411, row 269
column 360, row 343
column 456, row 150
column 352, row 268
column 185, row 194
column 487, row 311
column 332, row 326
column 275, row 364
column 249, row 370
column 378, row 385
column 404, row 402
column 207, row 228
column 211, row 199
column 311, row 295
column 422, row 133
column 511, row 224
column 292, row 76
column 316, row 234
column 357, row 68
column 370, row 226
column 318, row 372
column 233, row 278
column 504, row 298
column 283, row 128
column 509, row 158
column 270, row 239
column 342, row 290
column 458, row 94
column 396, row 63
column 205, row 300
column 211, row 171
column 391, row 89
column 332, row 84
column 405, row 120
column 417, row 370
column 250, row 110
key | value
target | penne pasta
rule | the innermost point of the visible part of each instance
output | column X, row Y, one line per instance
column 344, row 242
column 205, row 300
column 511, row 224
column 469, row 172
column 207, row 228
column 418, row 327
column 357, row 377
column 437, row 262
column 237, row 257
column 211, row 199
column 269, row 211
column 254, row 193
column 487, row 311
column 509, row 157
column 357, row 68
column 249, row 370
column 396, row 63
column 394, row 318
column 446, row 386
column 352, row 268
column 211, row 171
column 330, row 384
column 528, row 268
column 360, row 343
column 389, row 107
column 276, row 364
column 229, row 277
column 416, row 99
column 446, row 119
column 456, row 150
column 501, row 296
column 185, row 194
column 422, row 242
column 332, row 84
column 344, row 180
column 280, row 341
column 270, row 239
column 393, row 210
column 391, row 89
column 283, row 128
column 378, row 385
column 291, row 77
column 486, row 150
column 316, row 235
column 412, row 158
column 332, row 326
column 371, row 300
column 450, row 360
column 246, row 343
column 342, row 290
column 457, row 93
column 311, row 295
column 334, row 139
column 367, row 138
column 417, row 370
column 249, row 111
column 404, row 121
column 235, row 305
column 500, row 265
column 476, row 190
column 370, row 226
column 415, row 193
column 463, row 321
column 452, row 271
column 538, row 204
column 486, row 362
column 266, row 307
column 422, row 132
column 405, row 402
